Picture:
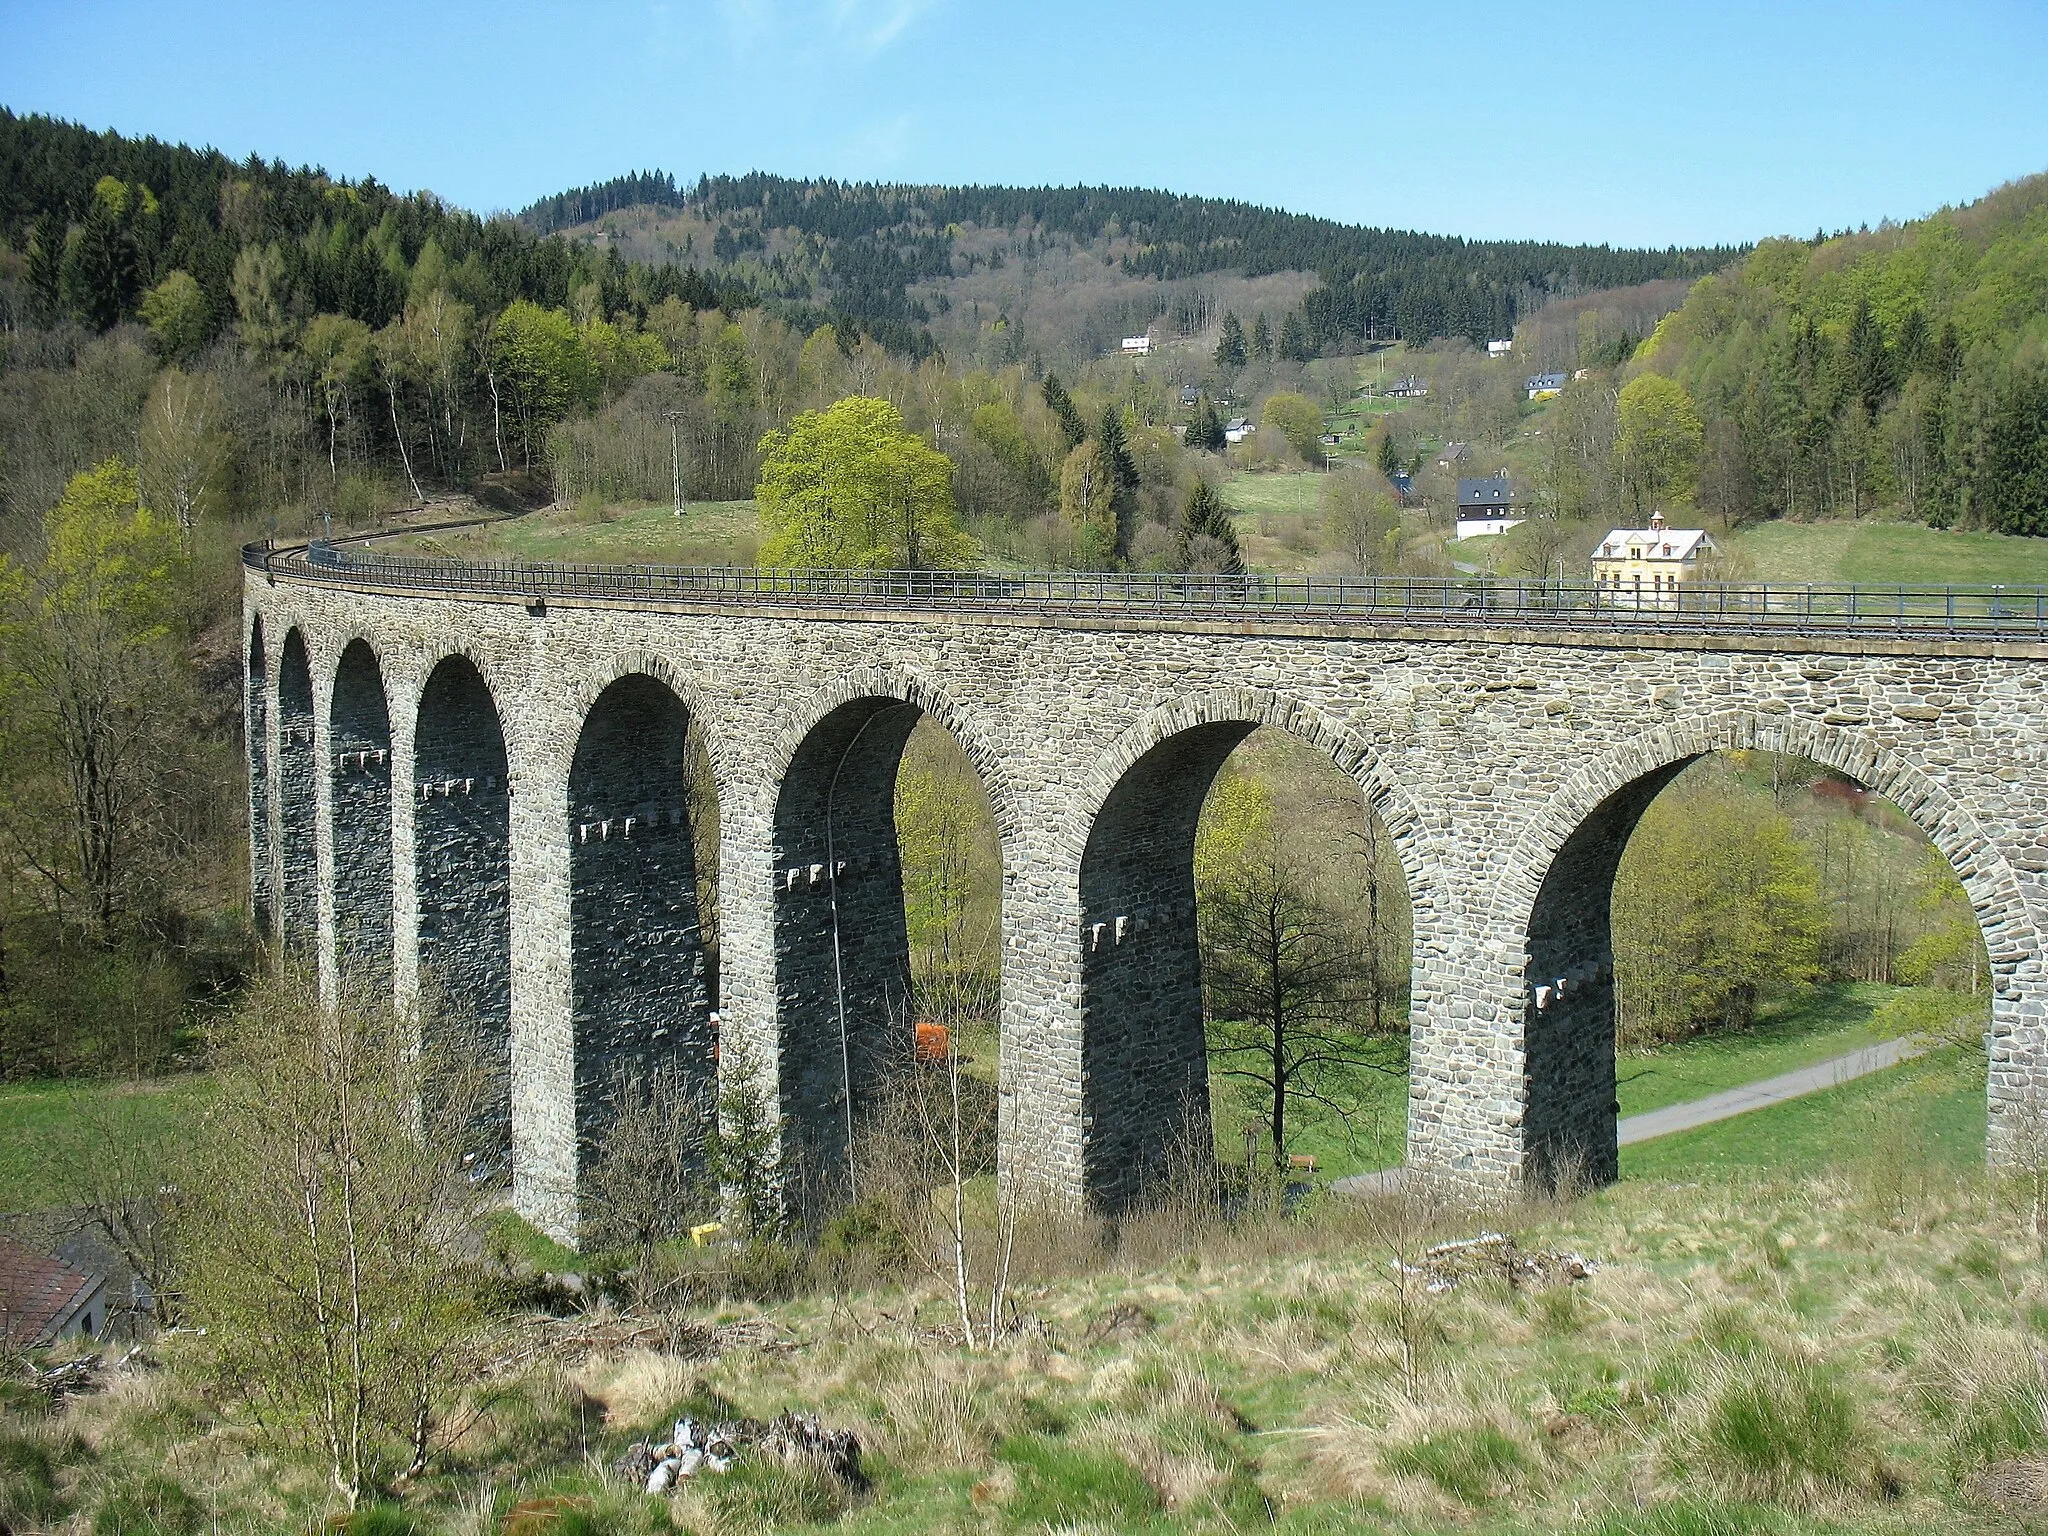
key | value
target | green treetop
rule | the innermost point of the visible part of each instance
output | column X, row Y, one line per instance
column 851, row 488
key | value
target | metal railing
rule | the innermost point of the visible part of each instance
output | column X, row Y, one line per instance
column 1761, row 608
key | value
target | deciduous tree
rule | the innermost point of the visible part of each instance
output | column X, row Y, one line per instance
column 1657, row 441
column 853, row 488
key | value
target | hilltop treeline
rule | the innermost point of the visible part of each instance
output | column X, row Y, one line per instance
column 100, row 220
column 1374, row 282
column 580, row 205
column 1902, row 368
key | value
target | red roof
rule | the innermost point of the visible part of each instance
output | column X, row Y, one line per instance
column 38, row 1294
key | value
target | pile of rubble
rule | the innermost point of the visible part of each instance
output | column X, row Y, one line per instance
column 795, row 1439
column 1498, row 1255
column 82, row 1375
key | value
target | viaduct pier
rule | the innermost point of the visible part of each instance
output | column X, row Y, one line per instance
column 468, row 777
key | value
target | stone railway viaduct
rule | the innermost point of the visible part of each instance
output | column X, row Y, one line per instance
column 482, row 789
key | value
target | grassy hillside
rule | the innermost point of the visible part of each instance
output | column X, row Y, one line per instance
column 1886, row 553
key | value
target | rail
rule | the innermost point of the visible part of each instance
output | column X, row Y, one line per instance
column 1750, row 608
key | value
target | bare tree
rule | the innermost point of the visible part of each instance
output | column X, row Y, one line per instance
column 649, row 1181
column 324, row 1224
column 1286, row 983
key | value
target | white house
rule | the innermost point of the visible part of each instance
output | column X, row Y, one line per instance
column 1500, row 348
column 1137, row 346
column 1646, row 567
column 1545, row 386
column 1486, row 506
column 1237, row 429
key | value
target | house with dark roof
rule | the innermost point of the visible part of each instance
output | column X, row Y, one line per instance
column 1453, row 455
column 1407, row 387
column 43, row 1299
column 1486, row 506
column 1545, row 386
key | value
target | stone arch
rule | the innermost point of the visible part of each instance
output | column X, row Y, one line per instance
column 843, row 996
column 591, row 686
column 640, row 983
column 905, row 687
column 1144, row 1054
column 359, row 747
column 462, row 870
column 298, row 858
column 256, row 741
column 1554, row 901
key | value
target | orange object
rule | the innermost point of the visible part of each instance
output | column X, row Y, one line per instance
column 1302, row 1160
column 933, row 1042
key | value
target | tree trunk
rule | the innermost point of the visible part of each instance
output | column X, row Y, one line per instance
column 497, row 419
column 405, row 457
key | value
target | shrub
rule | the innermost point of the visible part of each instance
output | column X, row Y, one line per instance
column 1474, row 1463
column 1060, row 1485
column 1778, row 1429
column 156, row 1506
column 382, row 1520
column 772, row 1494
column 28, row 1483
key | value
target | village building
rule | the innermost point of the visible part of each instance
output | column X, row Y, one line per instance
column 1500, row 348
column 1486, row 506
column 1237, row 429
column 1545, row 386
column 1647, row 567
column 1137, row 346
column 1453, row 455
column 1407, row 387
column 44, row 1299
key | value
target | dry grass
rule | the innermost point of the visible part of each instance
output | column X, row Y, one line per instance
column 1746, row 1358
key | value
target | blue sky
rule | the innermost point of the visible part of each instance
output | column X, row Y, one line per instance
column 1646, row 123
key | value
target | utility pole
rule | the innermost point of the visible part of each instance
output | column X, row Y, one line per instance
column 675, row 452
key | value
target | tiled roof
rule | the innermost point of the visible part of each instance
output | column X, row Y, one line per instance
column 38, row 1294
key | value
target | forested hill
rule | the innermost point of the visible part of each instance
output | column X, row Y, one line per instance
column 869, row 243
column 99, row 219
column 1906, row 366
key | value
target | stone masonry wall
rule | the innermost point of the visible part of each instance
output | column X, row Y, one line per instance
column 359, row 747
column 641, row 996
column 840, row 935
column 1483, row 753
column 256, row 738
column 297, row 852
column 462, row 861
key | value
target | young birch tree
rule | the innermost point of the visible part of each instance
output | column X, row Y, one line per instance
column 322, row 1228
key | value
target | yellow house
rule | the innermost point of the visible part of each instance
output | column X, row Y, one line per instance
column 1645, row 567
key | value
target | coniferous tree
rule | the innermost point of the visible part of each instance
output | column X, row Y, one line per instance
column 1230, row 345
column 1207, row 542
column 1061, row 404
column 1911, row 351
column 1294, row 338
column 2014, row 471
column 1206, row 430
column 1262, row 337
column 45, row 264
column 1116, row 453
column 1387, row 456
column 1870, row 363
